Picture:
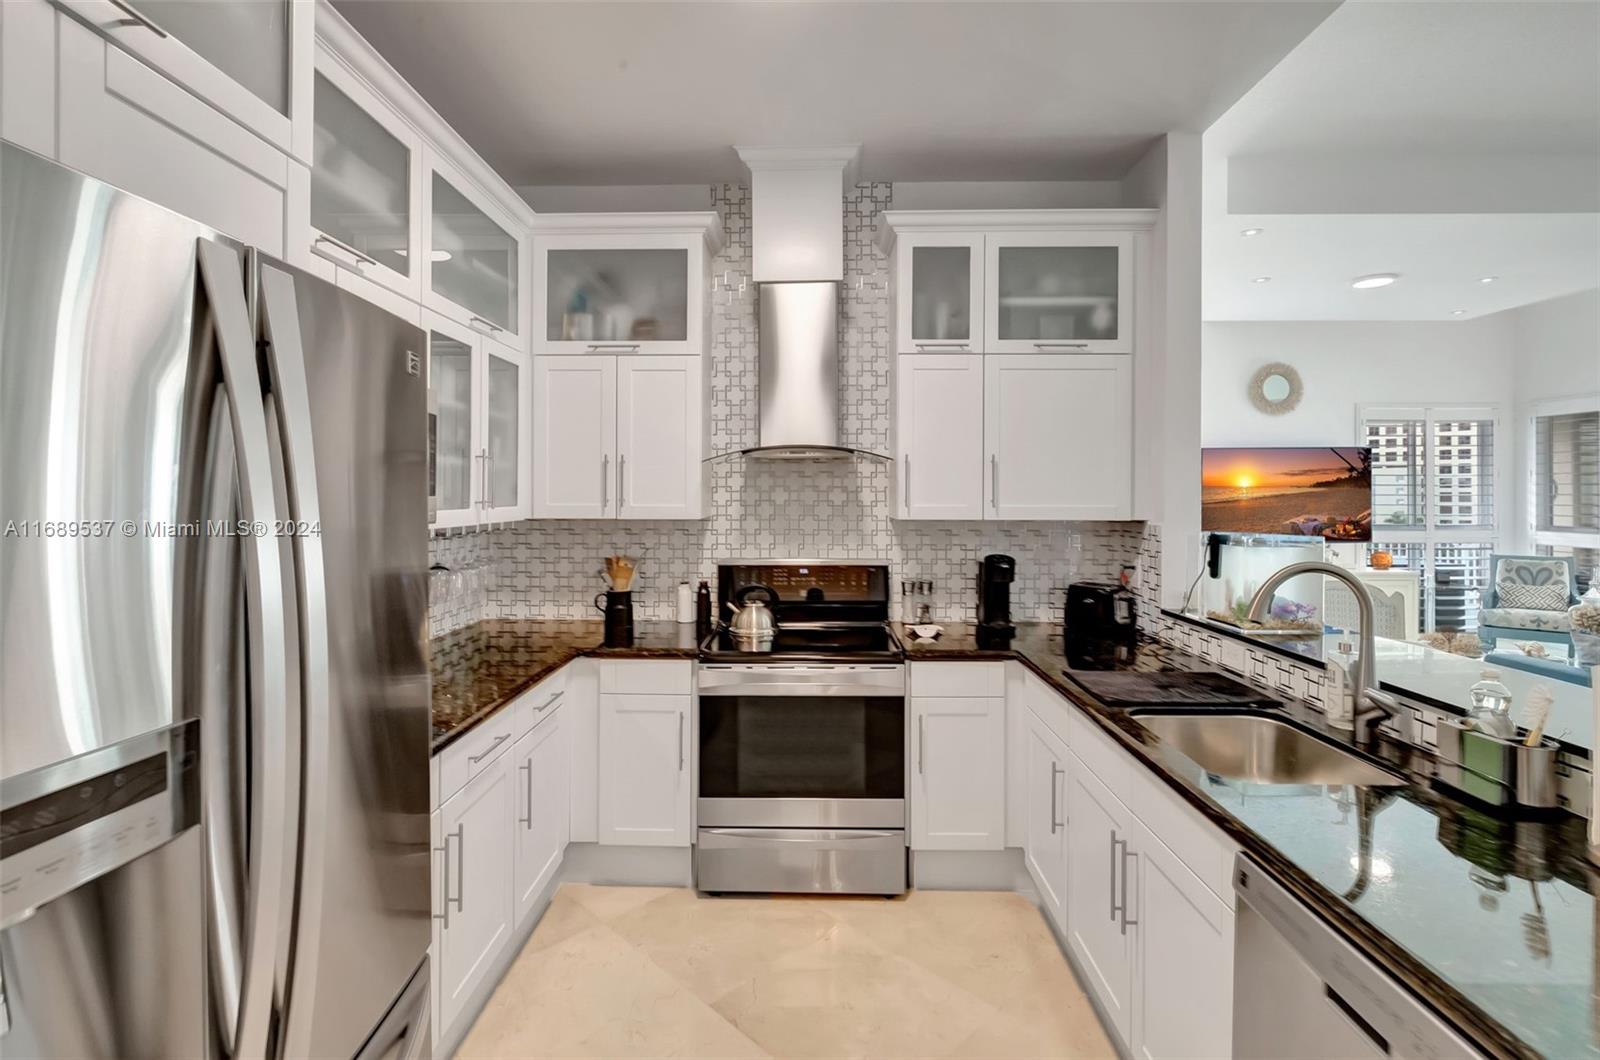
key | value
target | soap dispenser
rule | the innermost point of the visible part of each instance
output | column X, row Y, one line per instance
column 1339, row 699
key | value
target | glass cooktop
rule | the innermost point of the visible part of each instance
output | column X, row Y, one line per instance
column 812, row 643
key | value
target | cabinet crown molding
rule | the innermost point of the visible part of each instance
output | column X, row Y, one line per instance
column 705, row 223
column 892, row 222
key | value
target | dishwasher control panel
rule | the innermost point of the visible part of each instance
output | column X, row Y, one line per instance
column 66, row 824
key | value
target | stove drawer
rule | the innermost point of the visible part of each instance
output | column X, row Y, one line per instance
column 800, row 860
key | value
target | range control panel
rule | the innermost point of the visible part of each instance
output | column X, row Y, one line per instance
column 68, row 823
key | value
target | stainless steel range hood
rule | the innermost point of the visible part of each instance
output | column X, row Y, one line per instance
column 799, row 372
column 797, row 237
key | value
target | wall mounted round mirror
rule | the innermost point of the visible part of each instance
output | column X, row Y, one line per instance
column 1275, row 389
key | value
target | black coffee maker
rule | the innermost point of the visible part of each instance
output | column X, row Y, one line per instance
column 995, row 575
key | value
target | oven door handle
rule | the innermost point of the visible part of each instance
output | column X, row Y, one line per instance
column 766, row 834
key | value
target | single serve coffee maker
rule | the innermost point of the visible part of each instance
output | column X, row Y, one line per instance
column 995, row 575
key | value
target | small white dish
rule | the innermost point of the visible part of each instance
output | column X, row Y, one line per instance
column 927, row 631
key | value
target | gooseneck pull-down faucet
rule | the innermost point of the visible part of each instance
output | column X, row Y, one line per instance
column 1372, row 705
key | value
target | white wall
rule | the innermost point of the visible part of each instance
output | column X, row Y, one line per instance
column 1557, row 350
column 1346, row 364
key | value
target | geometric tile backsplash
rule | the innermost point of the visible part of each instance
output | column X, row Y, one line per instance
column 785, row 509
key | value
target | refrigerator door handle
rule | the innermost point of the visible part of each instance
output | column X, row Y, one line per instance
column 291, row 392
column 272, row 846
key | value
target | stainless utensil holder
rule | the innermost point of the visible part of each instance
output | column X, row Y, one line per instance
column 1495, row 770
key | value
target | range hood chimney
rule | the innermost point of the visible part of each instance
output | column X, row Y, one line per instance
column 797, row 262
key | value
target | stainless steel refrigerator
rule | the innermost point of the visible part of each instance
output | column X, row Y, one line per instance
column 213, row 683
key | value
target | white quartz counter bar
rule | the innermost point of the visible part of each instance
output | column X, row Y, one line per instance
column 1439, row 675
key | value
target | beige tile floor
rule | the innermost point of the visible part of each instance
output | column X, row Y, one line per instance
column 657, row 971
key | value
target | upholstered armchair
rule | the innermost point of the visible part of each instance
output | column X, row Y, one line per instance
column 1527, row 599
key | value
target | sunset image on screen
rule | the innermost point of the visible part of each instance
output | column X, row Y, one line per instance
column 1320, row 492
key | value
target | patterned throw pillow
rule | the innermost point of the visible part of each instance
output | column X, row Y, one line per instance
column 1533, row 597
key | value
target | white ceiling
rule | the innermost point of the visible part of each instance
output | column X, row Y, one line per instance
column 655, row 93
column 1433, row 96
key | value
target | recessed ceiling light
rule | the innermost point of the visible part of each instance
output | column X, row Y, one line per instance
column 1458, row 312
column 1487, row 279
column 1377, row 279
column 1262, row 279
column 1252, row 232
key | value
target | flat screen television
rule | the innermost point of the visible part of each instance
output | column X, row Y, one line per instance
column 1311, row 491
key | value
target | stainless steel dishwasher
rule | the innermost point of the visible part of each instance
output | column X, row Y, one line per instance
column 1300, row 990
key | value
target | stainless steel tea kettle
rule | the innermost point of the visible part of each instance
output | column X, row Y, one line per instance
column 754, row 620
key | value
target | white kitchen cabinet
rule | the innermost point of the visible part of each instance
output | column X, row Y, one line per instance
column 541, row 826
column 575, row 439
column 483, row 391
column 958, row 788
column 473, row 909
column 1183, row 960
column 623, row 282
column 938, row 279
column 660, row 429
column 364, row 214
column 250, row 60
column 938, row 416
column 1098, row 922
column 619, row 437
column 475, row 267
column 1058, row 436
column 644, row 769
column 1062, row 291
column 123, row 122
column 1044, row 793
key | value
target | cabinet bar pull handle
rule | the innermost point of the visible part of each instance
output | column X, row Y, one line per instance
column 361, row 259
column 135, row 18
column 1127, row 856
column 942, row 345
column 680, row 742
column 550, row 702
column 1061, row 345
column 1111, row 887
column 1055, row 771
column 461, row 868
column 994, row 482
column 445, row 899
column 496, row 328
column 605, row 482
column 905, row 474
column 488, row 476
column 599, row 347
column 527, row 822
column 487, row 751
column 922, row 742
column 622, row 482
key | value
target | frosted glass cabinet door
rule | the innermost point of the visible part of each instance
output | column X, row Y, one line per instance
column 1059, row 292
column 364, row 175
column 250, row 59
column 508, row 394
column 473, row 266
column 453, row 377
column 939, row 293
column 619, row 294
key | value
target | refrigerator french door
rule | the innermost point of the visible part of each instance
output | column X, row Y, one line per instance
column 212, row 611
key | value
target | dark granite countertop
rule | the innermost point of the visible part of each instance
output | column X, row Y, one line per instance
column 1491, row 919
column 478, row 669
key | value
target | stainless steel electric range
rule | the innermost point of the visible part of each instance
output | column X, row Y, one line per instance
column 802, row 775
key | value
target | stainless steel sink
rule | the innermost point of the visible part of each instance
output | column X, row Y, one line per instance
column 1263, row 750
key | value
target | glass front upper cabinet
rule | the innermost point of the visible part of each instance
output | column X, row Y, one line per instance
column 634, row 293
column 1055, row 292
column 474, row 262
column 453, row 378
column 364, row 176
column 243, row 57
column 939, row 306
column 507, row 398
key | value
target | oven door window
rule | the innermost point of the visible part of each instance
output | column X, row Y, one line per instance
column 835, row 747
